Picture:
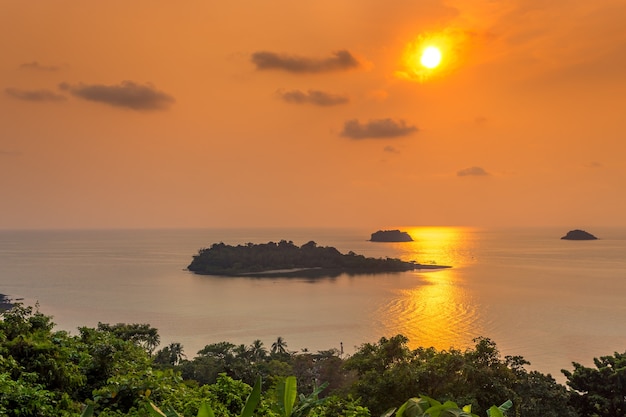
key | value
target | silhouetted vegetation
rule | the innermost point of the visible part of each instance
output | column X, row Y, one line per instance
column 116, row 370
column 286, row 259
column 599, row 391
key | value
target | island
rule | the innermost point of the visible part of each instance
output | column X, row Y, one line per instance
column 391, row 236
column 287, row 259
column 578, row 235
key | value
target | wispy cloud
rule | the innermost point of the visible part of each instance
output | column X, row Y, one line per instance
column 341, row 60
column 127, row 94
column 391, row 149
column 34, row 95
column 377, row 129
column 318, row 98
column 472, row 171
column 480, row 120
column 36, row 66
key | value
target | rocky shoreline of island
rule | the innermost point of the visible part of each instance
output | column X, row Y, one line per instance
column 285, row 259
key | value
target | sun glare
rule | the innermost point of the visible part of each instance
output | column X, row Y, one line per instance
column 431, row 57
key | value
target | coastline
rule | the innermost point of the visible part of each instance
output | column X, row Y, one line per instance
column 5, row 303
column 320, row 272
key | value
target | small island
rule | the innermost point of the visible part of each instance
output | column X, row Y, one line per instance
column 578, row 235
column 286, row 259
column 391, row 236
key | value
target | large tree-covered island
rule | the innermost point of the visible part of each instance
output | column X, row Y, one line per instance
column 286, row 259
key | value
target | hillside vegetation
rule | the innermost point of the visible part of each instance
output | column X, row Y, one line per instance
column 118, row 370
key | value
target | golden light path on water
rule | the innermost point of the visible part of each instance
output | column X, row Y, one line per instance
column 439, row 310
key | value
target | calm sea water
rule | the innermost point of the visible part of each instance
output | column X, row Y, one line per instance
column 549, row 300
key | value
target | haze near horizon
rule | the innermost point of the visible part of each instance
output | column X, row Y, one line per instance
column 320, row 114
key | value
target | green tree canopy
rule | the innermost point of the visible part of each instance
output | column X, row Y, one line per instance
column 389, row 373
column 599, row 391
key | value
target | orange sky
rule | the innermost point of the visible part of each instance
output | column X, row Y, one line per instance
column 151, row 113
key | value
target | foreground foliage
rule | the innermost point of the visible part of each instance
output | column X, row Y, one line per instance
column 425, row 406
column 600, row 391
column 389, row 372
column 116, row 370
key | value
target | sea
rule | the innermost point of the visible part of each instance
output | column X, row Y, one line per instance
column 551, row 301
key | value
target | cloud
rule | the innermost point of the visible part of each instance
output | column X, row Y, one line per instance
column 318, row 98
column 127, row 94
column 480, row 120
column 472, row 171
column 341, row 60
column 34, row 95
column 36, row 66
column 380, row 128
column 391, row 149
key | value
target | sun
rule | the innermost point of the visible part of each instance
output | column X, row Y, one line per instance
column 431, row 57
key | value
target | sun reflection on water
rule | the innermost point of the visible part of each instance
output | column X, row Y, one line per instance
column 452, row 246
column 438, row 310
